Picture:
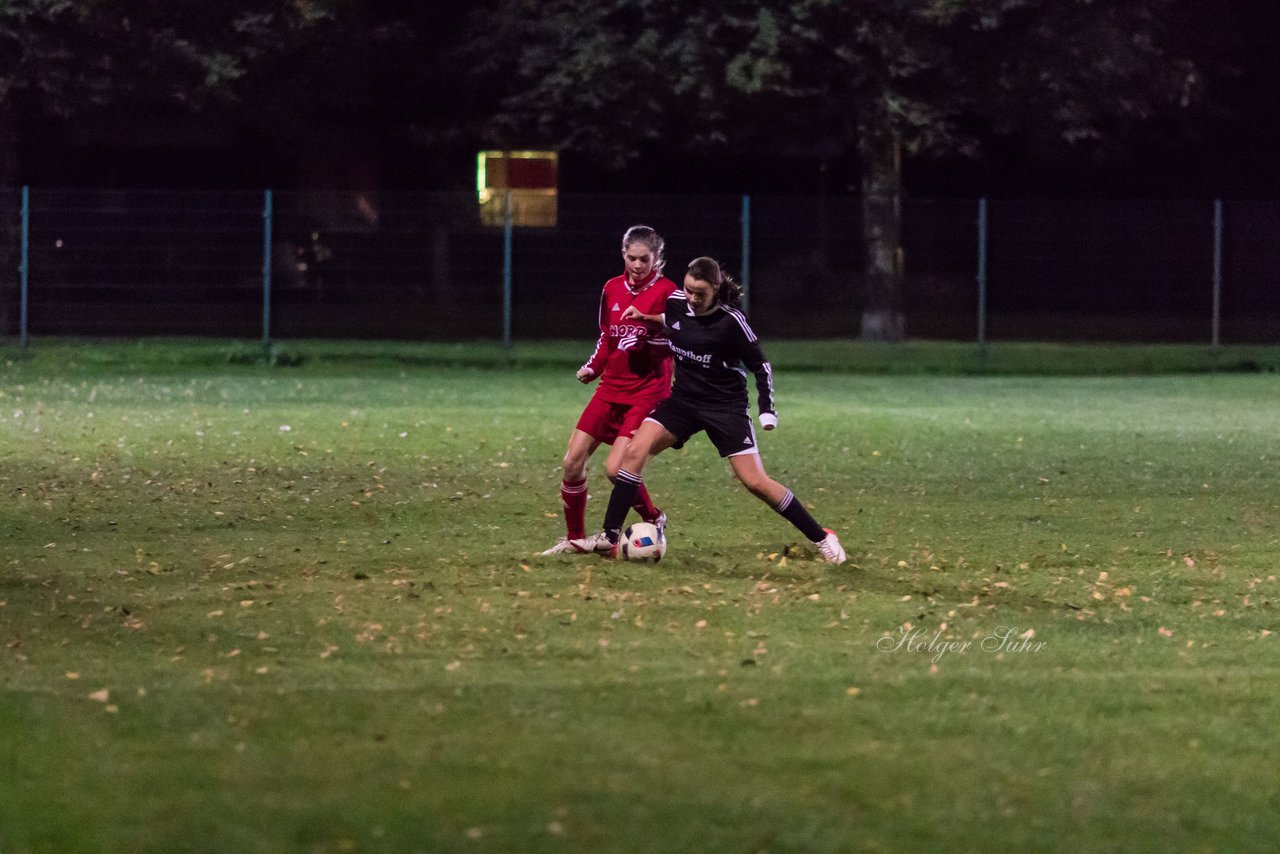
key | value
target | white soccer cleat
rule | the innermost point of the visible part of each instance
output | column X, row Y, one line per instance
column 597, row 543
column 661, row 522
column 830, row 549
column 563, row 545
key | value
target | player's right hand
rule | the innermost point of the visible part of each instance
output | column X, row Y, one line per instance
column 585, row 375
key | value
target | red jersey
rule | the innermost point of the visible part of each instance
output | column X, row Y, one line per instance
column 633, row 368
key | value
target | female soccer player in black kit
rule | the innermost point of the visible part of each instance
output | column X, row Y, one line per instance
column 709, row 337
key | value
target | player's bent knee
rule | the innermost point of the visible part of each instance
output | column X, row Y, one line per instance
column 763, row 488
column 633, row 459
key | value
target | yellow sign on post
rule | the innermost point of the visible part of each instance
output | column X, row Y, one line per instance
column 531, row 178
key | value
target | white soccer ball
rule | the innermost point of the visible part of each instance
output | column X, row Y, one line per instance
column 643, row 541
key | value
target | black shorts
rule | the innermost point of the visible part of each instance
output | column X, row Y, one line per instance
column 730, row 430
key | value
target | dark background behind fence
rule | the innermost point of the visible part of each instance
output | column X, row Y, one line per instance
column 423, row 266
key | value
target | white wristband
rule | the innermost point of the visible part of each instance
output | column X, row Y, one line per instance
column 768, row 420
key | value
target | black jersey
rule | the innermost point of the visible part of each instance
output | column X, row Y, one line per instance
column 709, row 350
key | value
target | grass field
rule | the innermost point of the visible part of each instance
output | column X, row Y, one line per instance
column 296, row 608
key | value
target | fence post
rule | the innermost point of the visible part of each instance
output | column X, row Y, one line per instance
column 1216, row 337
column 24, row 267
column 982, row 281
column 744, row 274
column 506, row 272
column 266, row 275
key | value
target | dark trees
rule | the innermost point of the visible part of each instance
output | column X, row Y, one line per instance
column 875, row 78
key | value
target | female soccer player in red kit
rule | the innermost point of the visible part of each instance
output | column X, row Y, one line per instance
column 711, row 340
column 635, row 375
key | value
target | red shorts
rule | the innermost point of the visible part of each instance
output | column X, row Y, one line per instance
column 606, row 421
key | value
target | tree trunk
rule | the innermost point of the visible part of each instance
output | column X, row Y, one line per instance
column 882, row 317
column 441, row 281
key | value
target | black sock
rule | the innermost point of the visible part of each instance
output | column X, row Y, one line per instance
column 625, row 487
column 793, row 511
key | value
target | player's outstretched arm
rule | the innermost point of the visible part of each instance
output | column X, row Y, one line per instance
column 633, row 313
column 753, row 357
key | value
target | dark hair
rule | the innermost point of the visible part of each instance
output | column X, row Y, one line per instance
column 709, row 270
column 646, row 235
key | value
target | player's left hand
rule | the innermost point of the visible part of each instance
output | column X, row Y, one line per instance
column 768, row 420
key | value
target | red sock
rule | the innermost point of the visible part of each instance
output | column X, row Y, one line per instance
column 574, row 498
column 644, row 505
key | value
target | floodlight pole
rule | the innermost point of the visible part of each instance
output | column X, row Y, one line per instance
column 266, row 275
column 24, row 268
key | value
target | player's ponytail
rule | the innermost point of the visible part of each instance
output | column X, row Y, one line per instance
column 646, row 235
column 709, row 270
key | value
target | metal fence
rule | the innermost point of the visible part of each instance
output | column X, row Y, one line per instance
column 424, row 266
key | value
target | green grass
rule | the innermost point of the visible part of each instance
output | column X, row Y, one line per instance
column 333, row 637
column 840, row 355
